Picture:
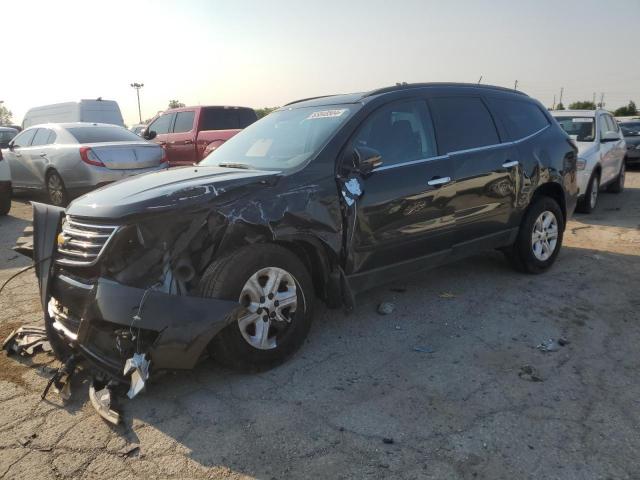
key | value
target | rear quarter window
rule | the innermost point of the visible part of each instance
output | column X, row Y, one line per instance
column 462, row 123
column 226, row 118
column 520, row 118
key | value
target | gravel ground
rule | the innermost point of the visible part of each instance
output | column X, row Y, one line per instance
column 443, row 387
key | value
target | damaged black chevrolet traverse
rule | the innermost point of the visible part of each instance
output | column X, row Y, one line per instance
column 321, row 199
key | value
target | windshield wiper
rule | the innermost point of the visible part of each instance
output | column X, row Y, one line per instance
column 234, row 165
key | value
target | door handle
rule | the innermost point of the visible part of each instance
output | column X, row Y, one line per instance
column 43, row 154
column 510, row 164
column 162, row 143
column 435, row 182
column 188, row 142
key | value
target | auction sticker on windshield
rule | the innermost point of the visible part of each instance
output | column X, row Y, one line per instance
column 326, row 114
column 582, row 120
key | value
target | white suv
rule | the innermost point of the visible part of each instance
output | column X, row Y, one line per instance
column 601, row 151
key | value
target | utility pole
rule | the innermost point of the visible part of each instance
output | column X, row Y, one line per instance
column 138, row 86
column 561, row 92
column 601, row 105
column 480, row 80
column 515, row 85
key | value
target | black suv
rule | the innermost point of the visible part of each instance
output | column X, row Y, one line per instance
column 322, row 199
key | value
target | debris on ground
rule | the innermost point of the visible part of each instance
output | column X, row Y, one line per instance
column 529, row 373
column 398, row 289
column 103, row 400
column 61, row 379
column 129, row 450
column 26, row 440
column 27, row 341
column 388, row 440
column 386, row 308
column 552, row 345
column 447, row 295
column 423, row 349
column 563, row 341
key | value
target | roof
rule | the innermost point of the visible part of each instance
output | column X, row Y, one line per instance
column 75, row 125
column 6, row 129
column 583, row 113
column 363, row 96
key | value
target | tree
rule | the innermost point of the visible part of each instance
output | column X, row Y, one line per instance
column 629, row 111
column 583, row 105
column 263, row 112
column 5, row 115
column 560, row 106
column 176, row 104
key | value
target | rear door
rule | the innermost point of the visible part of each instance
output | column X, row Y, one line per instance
column 181, row 147
column 607, row 149
column 406, row 209
column 485, row 168
column 19, row 159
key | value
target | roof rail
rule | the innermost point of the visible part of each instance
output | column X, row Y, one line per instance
column 409, row 86
column 305, row 99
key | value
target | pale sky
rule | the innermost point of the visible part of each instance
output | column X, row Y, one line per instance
column 267, row 53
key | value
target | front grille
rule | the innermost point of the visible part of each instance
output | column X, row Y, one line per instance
column 80, row 244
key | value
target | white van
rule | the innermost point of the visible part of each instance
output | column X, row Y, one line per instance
column 94, row 111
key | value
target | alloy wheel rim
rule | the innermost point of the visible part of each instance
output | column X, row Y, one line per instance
column 55, row 189
column 269, row 300
column 593, row 198
column 544, row 238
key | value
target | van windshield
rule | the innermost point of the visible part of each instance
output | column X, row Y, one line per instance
column 581, row 129
column 281, row 140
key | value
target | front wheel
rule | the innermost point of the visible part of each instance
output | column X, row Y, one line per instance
column 590, row 200
column 540, row 237
column 275, row 294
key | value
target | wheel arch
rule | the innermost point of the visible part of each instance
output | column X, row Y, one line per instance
column 555, row 191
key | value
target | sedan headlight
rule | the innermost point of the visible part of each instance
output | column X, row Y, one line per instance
column 581, row 163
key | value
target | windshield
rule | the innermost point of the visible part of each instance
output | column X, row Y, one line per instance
column 281, row 140
column 630, row 129
column 581, row 129
column 102, row 134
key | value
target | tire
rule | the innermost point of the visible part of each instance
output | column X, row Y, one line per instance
column 243, row 347
column 5, row 202
column 590, row 200
column 618, row 185
column 522, row 255
column 56, row 191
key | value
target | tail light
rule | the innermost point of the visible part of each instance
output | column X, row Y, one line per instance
column 165, row 157
column 89, row 157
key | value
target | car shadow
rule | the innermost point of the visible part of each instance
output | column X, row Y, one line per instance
column 615, row 210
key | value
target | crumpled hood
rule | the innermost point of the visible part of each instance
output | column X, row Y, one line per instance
column 164, row 190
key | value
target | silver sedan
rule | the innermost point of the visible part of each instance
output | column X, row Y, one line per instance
column 67, row 159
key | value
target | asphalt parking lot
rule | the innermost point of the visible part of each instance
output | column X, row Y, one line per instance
column 449, row 385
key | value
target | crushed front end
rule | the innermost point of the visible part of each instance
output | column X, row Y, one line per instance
column 123, row 295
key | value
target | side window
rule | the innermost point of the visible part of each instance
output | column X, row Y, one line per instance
column 612, row 125
column 162, row 124
column 401, row 132
column 603, row 127
column 462, row 123
column 520, row 118
column 52, row 137
column 24, row 139
column 184, row 122
column 41, row 137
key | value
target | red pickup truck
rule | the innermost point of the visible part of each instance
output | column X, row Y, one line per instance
column 189, row 134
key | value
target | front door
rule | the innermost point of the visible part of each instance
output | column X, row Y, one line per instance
column 181, row 146
column 19, row 158
column 162, row 126
column 406, row 209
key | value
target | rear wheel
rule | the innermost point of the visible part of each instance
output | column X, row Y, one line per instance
column 276, row 303
column 618, row 185
column 590, row 200
column 56, row 190
column 5, row 201
column 539, row 238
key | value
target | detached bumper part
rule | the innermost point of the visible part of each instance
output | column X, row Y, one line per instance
column 26, row 341
column 102, row 399
column 138, row 367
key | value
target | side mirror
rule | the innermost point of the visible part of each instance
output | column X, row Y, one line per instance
column 610, row 137
column 11, row 146
column 366, row 160
column 149, row 134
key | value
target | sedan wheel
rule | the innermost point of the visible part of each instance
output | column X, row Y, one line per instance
column 55, row 189
column 269, row 299
column 545, row 236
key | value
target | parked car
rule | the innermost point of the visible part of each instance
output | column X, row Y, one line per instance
column 601, row 152
column 5, row 186
column 323, row 198
column 138, row 129
column 67, row 159
column 6, row 135
column 93, row 111
column 631, row 132
column 190, row 133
